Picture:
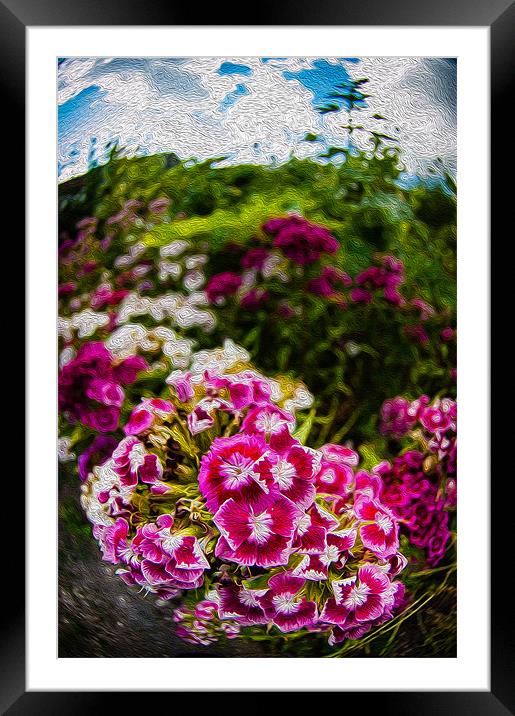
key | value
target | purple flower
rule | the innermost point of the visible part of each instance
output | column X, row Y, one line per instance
column 89, row 387
column 299, row 240
column 396, row 418
column 222, row 285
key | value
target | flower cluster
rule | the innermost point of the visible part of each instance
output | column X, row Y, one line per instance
column 299, row 240
column 420, row 487
column 200, row 624
column 211, row 480
column 90, row 386
column 384, row 278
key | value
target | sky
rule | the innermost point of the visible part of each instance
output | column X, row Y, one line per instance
column 254, row 109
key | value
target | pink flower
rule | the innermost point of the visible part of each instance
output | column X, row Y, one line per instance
column 380, row 531
column 238, row 467
column 183, row 386
column 285, row 606
column 245, row 388
column 132, row 462
column 439, row 417
column 335, row 476
column 311, row 529
column 144, row 415
column 362, row 598
column 396, row 418
column 272, row 423
column 159, row 205
column 315, row 567
column 426, row 311
column 294, row 472
column 256, row 536
column 242, row 604
column 340, row 454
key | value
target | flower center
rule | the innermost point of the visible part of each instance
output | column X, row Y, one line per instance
column 237, row 470
column 384, row 522
column 357, row 596
column 260, row 526
column 285, row 603
column 269, row 423
column 283, row 472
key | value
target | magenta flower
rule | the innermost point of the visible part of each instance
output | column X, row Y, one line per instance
column 239, row 603
column 330, row 281
column 311, row 529
column 379, row 530
column 66, row 288
column 132, row 463
column 361, row 295
column 299, row 240
column 335, row 476
column 271, row 423
column 89, row 386
column 362, row 598
column 396, row 417
column 294, row 472
column 238, row 467
column 256, row 536
column 285, row 606
column 222, row 285
column 144, row 415
column 127, row 371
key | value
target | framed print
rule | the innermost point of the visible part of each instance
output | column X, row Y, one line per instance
column 257, row 289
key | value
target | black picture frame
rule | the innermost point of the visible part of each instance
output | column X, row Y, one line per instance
column 15, row 17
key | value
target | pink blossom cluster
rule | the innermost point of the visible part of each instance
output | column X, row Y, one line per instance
column 385, row 278
column 419, row 490
column 214, row 481
column 200, row 625
column 417, row 502
column 399, row 416
column 90, row 387
column 300, row 240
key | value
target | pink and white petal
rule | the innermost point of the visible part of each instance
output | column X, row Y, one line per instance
column 371, row 609
column 334, row 613
column 232, row 519
column 376, row 580
column 342, row 588
column 306, row 615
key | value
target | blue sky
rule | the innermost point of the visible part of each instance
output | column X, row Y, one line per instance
column 253, row 109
